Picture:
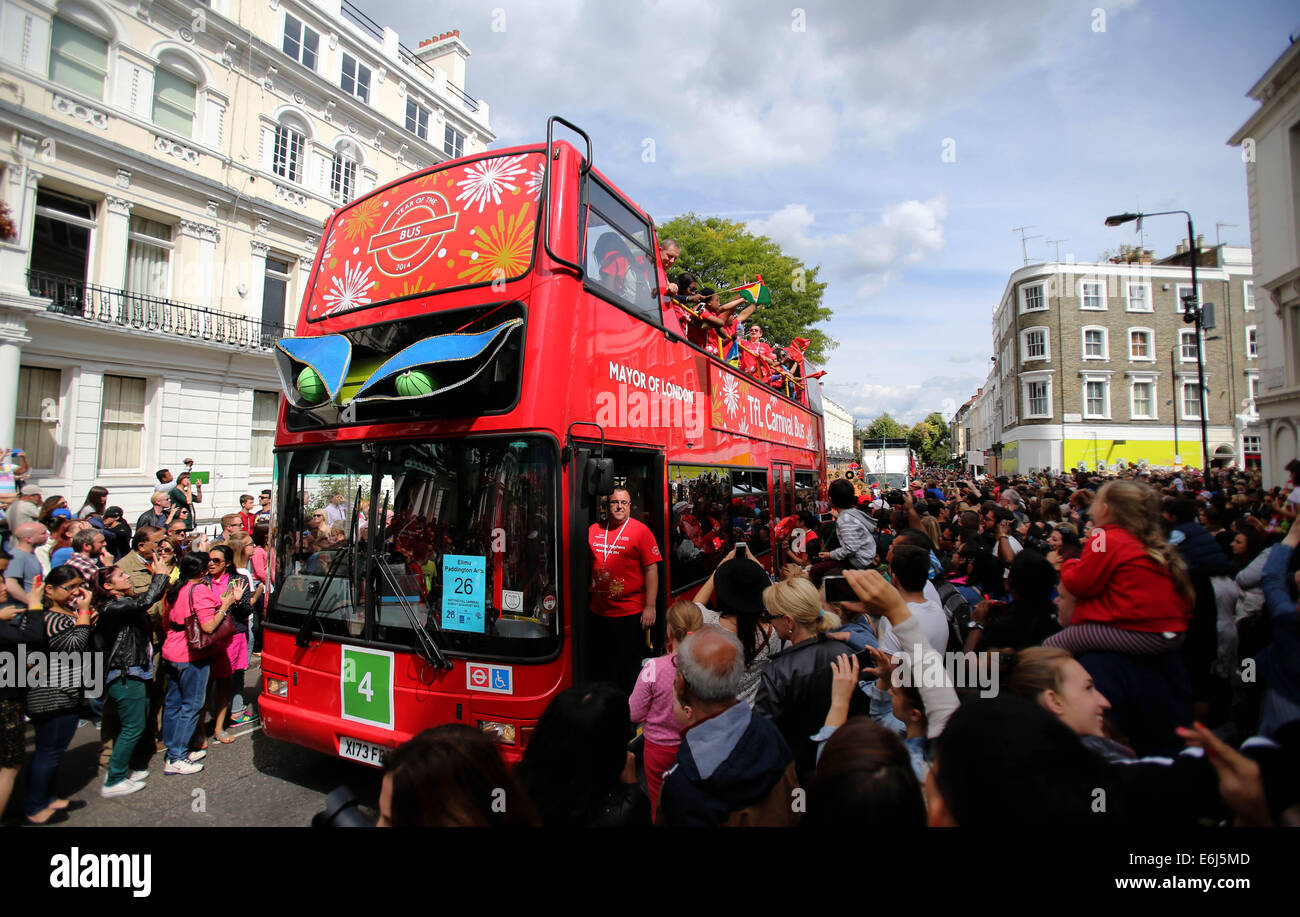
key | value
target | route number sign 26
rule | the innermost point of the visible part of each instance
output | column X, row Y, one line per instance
column 366, row 686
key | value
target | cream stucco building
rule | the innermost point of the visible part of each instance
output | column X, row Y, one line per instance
column 167, row 168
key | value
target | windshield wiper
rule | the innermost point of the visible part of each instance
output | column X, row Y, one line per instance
column 303, row 638
column 429, row 648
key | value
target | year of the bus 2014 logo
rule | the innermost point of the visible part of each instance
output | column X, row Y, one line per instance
column 412, row 233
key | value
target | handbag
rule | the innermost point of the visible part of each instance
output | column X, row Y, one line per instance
column 201, row 642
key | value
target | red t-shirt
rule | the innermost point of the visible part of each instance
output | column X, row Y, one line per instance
column 247, row 520
column 1116, row 582
column 749, row 359
column 618, row 583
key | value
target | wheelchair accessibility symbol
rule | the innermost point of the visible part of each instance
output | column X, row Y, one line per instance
column 494, row 679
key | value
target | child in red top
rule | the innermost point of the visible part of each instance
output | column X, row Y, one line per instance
column 1129, row 592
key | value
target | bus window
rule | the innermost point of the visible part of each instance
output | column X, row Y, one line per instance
column 750, row 517
column 701, row 531
column 805, row 491
column 468, row 540
column 619, row 260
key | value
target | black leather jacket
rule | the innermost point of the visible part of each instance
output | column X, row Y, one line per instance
column 124, row 628
column 795, row 694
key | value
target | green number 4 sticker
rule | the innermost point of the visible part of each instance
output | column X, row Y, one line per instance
column 366, row 686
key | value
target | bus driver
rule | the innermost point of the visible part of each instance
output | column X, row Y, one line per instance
column 624, row 592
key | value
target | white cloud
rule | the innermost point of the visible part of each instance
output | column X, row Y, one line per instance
column 872, row 256
column 730, row 87
column 907, row 403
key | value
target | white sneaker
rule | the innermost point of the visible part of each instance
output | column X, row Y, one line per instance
column 182, row 766
column 138, row 776
column 198, row 755
column 122, row 788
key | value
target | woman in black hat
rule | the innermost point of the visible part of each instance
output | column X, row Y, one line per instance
column 736, row 590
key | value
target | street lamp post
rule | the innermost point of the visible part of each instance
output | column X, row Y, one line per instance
column 1173, row 397
column 1192, row 307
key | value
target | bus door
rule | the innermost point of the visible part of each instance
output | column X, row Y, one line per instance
column 782, row 491
column 643, row 472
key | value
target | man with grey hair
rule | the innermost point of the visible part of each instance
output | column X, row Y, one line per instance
column 733, row 766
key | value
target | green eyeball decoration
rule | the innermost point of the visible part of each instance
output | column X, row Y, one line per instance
column 311, row 386
column 413, row 383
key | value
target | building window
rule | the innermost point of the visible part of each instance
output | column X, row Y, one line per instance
column 265, row 407
column 417, row 119
column 1252, row 385
column 78, row 59
column 1187, row 345
column 1095, row 344
column 1034, row 345
column 275, row 293
column 343, row 174
column 121, row 427
column 1252, row 343
column 453, row 142
column 1183, row 290
column 300, row 42
column 1251, row 445
column 1096, row 398
column 1141, row 345
column 148, row 252
column 1189, row 392
column 1143, row 404
column 1248, row 295
column 356, row 78
column 1033, row 297
column 1139, row 297
column 287, row 161
column 1092, row 295
column 173, row 102
column 1038, row 399
column 36, row 422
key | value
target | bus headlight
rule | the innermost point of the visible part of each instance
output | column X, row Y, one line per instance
column 277, row 687
column 501, row 732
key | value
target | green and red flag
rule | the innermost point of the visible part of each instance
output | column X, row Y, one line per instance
column 755, row 293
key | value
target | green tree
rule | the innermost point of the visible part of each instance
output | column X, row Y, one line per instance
column 930, row 439
column 885, row 427
column 723, row 254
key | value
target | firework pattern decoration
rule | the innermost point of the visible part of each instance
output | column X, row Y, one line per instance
column 450, row 228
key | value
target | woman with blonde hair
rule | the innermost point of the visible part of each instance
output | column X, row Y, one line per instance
column 1129, row 592
column 794, row 690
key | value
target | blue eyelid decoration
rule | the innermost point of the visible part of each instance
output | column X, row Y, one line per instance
column 442, row 348
column 329, row 355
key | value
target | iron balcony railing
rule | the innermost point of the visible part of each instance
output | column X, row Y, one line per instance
column 151, row 314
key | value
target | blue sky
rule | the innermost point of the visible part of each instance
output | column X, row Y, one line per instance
column 829, row 138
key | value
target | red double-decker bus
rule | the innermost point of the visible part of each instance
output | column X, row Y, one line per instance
column 482, row 352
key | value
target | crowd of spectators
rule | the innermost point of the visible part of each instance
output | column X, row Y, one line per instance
column 967, row 652
column 139, row 596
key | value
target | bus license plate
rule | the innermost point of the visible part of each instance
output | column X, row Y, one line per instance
column 365, row 752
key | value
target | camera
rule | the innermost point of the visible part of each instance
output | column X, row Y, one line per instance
column 1038, row 544
column 839, row 590
column 342, row 811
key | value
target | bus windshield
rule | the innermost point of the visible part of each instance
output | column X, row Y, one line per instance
column 466, row 547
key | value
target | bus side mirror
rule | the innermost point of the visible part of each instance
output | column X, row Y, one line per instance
column 600, row 476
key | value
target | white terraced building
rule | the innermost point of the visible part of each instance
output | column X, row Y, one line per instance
column 167, row 168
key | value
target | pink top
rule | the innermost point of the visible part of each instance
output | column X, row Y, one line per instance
column 257, row 563
column 652, row 701
column 175, row 648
